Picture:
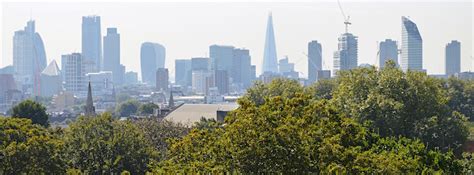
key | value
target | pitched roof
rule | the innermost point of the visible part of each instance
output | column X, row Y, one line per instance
column 188, row 114
column 52, row 69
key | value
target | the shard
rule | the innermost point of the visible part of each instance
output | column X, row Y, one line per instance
column 270, row 56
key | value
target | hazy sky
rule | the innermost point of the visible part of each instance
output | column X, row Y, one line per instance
column 187, row 29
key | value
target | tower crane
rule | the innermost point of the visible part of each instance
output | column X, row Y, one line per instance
column 346, row 18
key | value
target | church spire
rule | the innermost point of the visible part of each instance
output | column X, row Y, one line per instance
column 171, row 101
column 89, row 108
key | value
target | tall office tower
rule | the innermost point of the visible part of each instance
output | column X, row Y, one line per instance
column 315, row 60
column 162, row 79
column 91, row 43
column 412, row 46
column 200, row 64
column 74, row 74
column 221, row 81
column 183, row 72
column 345, row 58
column 241, row 73
column 112, row 55
column 51, row 80
column 29, row 57
column 152, row 57
column 221, row 57
column 453, row 57
column 388, row 50
column 270, row 55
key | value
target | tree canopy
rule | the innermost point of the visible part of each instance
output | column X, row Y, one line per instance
column 31, row 110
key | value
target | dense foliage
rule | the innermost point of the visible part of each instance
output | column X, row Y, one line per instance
column 26, row 148
column 365, row 121
column 31, row 110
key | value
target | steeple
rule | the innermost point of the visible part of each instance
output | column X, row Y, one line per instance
column 171, row 101
column 89, row 108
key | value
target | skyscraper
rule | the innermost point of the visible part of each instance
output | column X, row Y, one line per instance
column 315, row 60
column 91, row 43
column 412, row 46
column 112, row 55
column 221, row 57
column 162, row 79
column 73, row 73
column 221, row 81
column 453, row 57
column 270, row 55
column 388, row 50
column 152, row 57
column 183, row 72
column 345, row 58
column 29, row 57
column 241, row 65
column 200, row 63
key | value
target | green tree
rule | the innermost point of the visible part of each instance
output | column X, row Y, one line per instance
column 31, row 110
column 396, row 103
column 29, row 149
column 102, row 145
column 298, row 135
column 322, row 89
column 285, row 88
column 160, row 132
column 461, row 96
column 127, row 108
column 147, row 108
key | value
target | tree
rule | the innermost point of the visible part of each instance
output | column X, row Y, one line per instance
column 260, row 92
column 322, row 89
column 461, row 96
column 127, row 108
column 29, row 149
column 102, row 145
column 160, row 132
column 395, row 103
column 298, row 135
column 31, row 110
column 147, row 108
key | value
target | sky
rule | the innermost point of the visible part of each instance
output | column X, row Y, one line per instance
column 187, row 29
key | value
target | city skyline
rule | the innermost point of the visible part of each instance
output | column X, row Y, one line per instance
column 290, row 43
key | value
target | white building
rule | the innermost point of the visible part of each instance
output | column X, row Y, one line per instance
column 200, row 80
column 412, row 46
column 73, row 74
column 101, row 82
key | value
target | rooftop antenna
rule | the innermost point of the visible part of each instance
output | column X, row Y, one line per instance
column 346, row 19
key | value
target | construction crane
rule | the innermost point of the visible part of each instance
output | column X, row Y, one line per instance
column 346, row 19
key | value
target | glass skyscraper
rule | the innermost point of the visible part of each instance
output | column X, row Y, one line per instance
column 152, row 57
column 388, row 50
column 453, row 57
column 29, row 57
column 314, row 60
column 270, row 63
column 412, row 46
column 112, row 55
column 91, row 43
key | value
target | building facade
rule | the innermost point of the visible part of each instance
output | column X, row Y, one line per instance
column 183, row 72
column 74, row 74
column 112, row 55
column 388, row 50
column 241, row 74
column 29, row 58
column 51, row 80
column 91, row 43
column 453, row 58
column 315, row 60
column 162, row 79
column 412, row 46
column 152, row 57
column 345, row 58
